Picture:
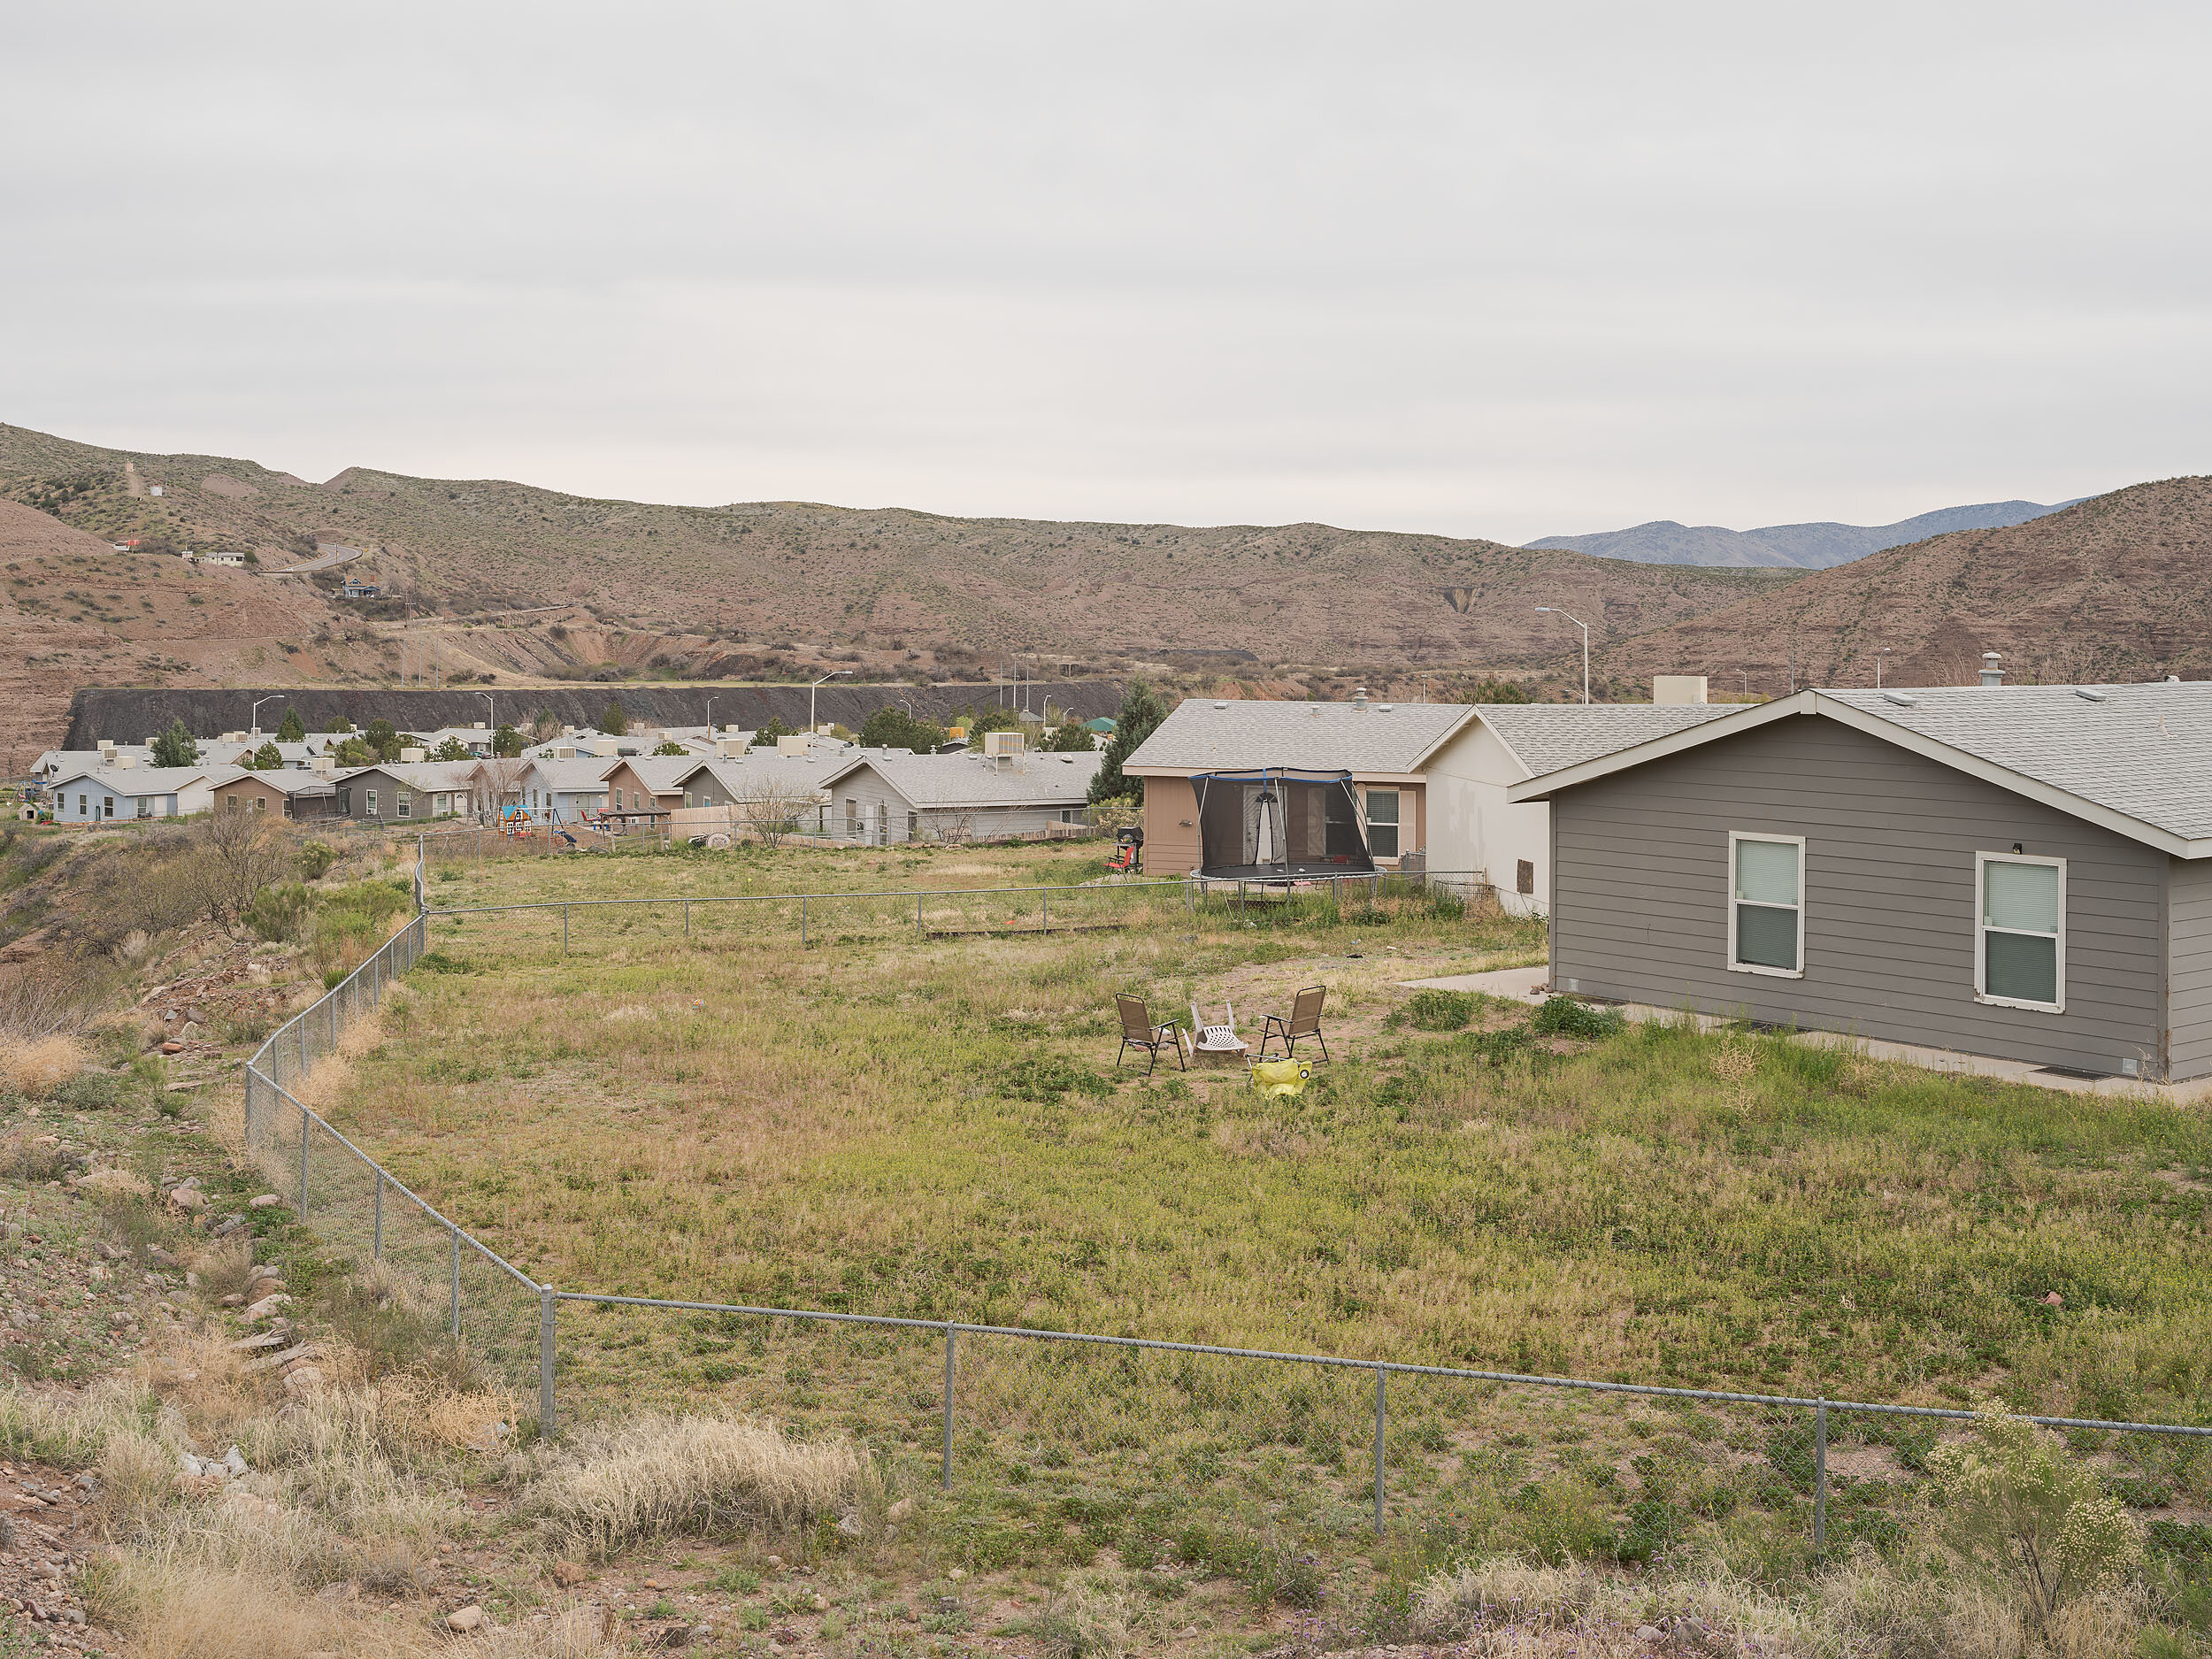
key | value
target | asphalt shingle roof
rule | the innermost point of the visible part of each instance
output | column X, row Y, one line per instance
column 1549, row 735
column 2142, row 750
column 136, row 780
column 1201, row 734
column 1045, row 778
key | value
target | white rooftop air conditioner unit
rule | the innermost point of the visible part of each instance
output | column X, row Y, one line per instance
column 1003, row 745
column 563, row 751
column 107, row 746
column 791, row 745
column 412, row 756
column 604, row 746
column 127, row 760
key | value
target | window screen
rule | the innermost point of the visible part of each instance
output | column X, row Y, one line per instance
column 2022, row 929
column 1767, row 903
column 1382, row 823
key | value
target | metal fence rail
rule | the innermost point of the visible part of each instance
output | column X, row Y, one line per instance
column 457, row 1286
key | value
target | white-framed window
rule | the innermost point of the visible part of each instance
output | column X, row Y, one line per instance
column 107, row 806
column 1382, row 823
column 1766, row 903
column 406, row 802
column 372, row 805
column 84, row 806
column 2020, row 931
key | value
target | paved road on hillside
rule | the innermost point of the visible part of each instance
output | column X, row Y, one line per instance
column 329, row 554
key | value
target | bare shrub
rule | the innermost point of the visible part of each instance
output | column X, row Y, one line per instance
column 574, row 1632
column 29, row 1157
column 658, row 1475
column 38, row 1067
column 772, row 808
column 54, row 992
column 234, row 855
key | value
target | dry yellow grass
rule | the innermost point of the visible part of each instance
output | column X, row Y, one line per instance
column 654, row 1476
column 37, row 1068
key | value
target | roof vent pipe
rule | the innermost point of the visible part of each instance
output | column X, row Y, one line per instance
column 1991, row 675
column 1359, row 697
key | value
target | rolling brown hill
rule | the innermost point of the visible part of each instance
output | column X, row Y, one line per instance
column 75, row 612
column 688, row 583
column 2117, row 588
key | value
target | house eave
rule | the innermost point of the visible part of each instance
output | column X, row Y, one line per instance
column 1901, row 737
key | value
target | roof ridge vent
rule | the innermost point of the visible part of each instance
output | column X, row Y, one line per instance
column 1902, row 699
column 2089, row 694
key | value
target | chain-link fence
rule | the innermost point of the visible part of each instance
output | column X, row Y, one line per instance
column 1177, row 1450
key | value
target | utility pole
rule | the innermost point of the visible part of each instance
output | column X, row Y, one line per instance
column 1877, row 666
column 1584, row 627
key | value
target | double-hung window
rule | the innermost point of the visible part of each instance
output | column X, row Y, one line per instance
column 1766, row 903
column 1382, row 823
column 2020, row 931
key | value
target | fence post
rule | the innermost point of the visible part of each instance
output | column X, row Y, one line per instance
column 564, row 930
column 1820, row 1478
column 1381, row 1377
column 248, row 1125
column 803, row 921
column 306, row 1135
column 686, row 918
column 376, row 1244
column 1047, row 904
column 945, row 1479
column 919, row 931
column 546, row 1303
column 456, row 1233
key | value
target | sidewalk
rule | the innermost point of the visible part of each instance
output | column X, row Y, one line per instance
column 1529, row 985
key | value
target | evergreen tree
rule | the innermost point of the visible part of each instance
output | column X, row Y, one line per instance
column 267, row 760
column 766, row 736
column 1141, row 713
column 892, row 728
column 507, row 743
column 1069, row 739
column 452, row 748
column 176, row 747
column 1494, row 690
column 338, row 727
column 614, row 722
column 293, row 730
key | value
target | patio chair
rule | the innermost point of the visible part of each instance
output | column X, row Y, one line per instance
column 1138, row 1032
column 1304, row 1021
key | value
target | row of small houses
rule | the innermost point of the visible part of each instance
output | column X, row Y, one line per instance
column 2021, row 871
column 828, row 788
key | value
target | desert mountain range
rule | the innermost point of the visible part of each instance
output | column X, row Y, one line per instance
column 2115, row 587
column 498, row 582
column 1789, row 546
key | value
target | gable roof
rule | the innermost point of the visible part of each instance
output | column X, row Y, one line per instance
column 1546, row 736
column 133, row 781
column 662, row 774
column 765, row 768
column 2135, row 759
column 937, row 782
column 565, row 776
column 1206, row 735
column 287, row 782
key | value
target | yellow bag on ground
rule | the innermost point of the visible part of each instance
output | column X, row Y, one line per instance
column 1280, row 1076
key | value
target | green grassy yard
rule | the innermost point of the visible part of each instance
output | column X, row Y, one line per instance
column 927, row 1122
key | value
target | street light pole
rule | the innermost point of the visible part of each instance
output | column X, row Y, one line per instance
column 253, row 715
column 711, row 718
column 809, row 696
column 1877, row 666
column 1584, row 627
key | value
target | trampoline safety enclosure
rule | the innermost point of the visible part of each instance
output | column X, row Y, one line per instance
column 1280, row 824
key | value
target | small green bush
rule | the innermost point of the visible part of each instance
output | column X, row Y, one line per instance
column 278, row 912
column 315, row 859
column 1565, row 1016
column 1443, row 1010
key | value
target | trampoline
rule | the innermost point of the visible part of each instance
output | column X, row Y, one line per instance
column 1280, row 824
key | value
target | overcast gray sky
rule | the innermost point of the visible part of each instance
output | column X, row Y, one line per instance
column 1483, row 269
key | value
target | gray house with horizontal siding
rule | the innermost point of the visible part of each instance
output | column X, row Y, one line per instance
column 2023, row 871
